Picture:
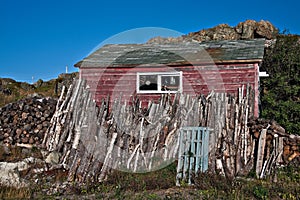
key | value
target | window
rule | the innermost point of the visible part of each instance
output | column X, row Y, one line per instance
column 159, row 82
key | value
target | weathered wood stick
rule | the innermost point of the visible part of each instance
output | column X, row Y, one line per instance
column 107, row 157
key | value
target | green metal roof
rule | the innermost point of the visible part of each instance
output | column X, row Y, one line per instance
column 126, row 55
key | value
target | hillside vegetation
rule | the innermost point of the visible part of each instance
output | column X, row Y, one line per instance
column 11, row 90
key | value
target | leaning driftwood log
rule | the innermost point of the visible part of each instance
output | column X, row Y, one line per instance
column 95, row 139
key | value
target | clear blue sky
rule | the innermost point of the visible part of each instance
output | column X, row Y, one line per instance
column 40, row 37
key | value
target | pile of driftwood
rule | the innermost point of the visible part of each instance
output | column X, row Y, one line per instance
column 95, row 139
column 26, row 121
column 92, row 140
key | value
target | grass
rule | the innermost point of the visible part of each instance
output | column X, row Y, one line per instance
column 15, row 193
column 285, row 186
column 160, row 179
column 161, row 185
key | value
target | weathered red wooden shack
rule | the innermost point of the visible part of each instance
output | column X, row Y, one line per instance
column 149, row 70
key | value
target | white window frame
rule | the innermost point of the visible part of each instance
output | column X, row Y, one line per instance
column 159, row 75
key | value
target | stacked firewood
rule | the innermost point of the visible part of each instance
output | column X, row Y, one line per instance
column 279, row 146
column 291, row 142
column 26, row 121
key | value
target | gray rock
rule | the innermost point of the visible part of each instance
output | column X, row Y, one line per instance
column 9, row 172
column 53, row 158
column 39, row 83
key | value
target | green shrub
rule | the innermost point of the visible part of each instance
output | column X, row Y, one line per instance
column 260, row 192
column 280, row 95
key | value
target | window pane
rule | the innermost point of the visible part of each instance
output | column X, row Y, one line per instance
column 148, row 82
column 170, row 83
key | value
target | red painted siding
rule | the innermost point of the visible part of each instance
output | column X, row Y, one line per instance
column 196, row 80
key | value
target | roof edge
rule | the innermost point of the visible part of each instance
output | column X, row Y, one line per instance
column 78, row 64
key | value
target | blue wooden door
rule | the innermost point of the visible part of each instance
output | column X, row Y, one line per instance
column 193, row 152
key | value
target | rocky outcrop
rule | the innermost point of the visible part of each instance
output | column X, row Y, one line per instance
column 249, row 29
column 220, row 32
